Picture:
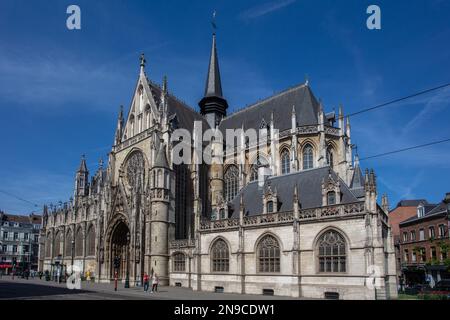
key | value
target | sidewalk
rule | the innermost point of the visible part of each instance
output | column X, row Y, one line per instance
column 164, row 293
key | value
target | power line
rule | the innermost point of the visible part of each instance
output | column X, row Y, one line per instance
column 406, row 149
column 19, row 198
column 398, row 100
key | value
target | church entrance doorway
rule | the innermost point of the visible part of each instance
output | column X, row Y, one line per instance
column 120, row 253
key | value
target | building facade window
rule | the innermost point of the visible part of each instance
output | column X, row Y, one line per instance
column 285, row 162
column 308, row 157
column 16, row 235
column 231, row 178
column 441, row 231
column 269, row 206
column 413, row 256
column 79, row 243
column 406, row 256
column 332, row 252
column 431, row 232
column 330, row 157
column 413, row 235
column 331, row 198
column 5, row 235
column 91, row 241
column 179, row 262
column 68, row 249
column 253, row 172
column 433, row 253
column 269, row 255
column 405, row 236
column 220, row 257
column 421, row 234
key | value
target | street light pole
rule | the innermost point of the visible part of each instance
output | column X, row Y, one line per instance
column 73, row 253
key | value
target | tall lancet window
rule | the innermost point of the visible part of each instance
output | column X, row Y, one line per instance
column 147, row 116
column 141, row 99
column 231, row 178
column 330, row 157
column 285, row 162
column 308, row 157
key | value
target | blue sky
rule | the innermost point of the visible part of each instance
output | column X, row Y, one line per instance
column 60, row 90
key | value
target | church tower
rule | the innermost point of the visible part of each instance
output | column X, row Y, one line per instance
column 213, row 105
column 160, row 202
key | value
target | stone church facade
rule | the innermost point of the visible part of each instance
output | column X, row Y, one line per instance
column 295, row 217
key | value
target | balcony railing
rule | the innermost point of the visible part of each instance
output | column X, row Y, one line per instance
column 182, row 243
column 341, row 210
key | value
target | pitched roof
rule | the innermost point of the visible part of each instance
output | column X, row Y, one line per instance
column 280, row 105
column 431, row 210
column 309, row 184
column 32, row 218
column 411, row 203
column 161, row 158
column 185, row 114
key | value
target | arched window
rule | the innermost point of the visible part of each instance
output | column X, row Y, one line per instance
column 269, row 206
column 285, row 162
column 253, row 172
column 48, row 245
column 332, row 256
column 222, row 214
column 57, row 246
column 132, row 125
column 269, row 254
column 308, row 158
column 79, row 243
column 68, row 249
column 220, row 257
column 179, row 262
column 91, row 241
column 331, row 198
column 231, row 178
column 330, row 157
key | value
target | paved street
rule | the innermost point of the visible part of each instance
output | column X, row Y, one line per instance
column 35, row 289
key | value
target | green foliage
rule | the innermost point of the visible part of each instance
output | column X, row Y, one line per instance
column 431, row 296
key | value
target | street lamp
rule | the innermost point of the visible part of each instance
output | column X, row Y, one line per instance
column 127, row 278
column 73, row 253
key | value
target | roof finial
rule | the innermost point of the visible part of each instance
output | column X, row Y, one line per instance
column 213, row 22
column 142, row 61
column 306, row 79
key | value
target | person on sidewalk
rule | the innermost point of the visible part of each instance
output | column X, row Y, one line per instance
column 145, row 282
column 155, row 283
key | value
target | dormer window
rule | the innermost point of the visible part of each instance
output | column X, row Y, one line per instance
column 269, row 206
column 331, row 198
column 420, row 211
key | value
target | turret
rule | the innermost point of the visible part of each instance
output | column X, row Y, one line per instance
column 213, row 105
column 82, row 180
column 160, row 198
column 119, row 127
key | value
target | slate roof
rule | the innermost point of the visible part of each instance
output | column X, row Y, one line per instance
column 161, row 158
column 431, row 210
column 309, row 184
column 300, row 96
column 411, row 203
column 185, row 115
column 32, row 218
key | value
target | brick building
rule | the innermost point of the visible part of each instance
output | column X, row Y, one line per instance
column 425, row 243
column 404, row 210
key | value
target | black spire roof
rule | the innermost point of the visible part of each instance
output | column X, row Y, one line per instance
column 213, row 86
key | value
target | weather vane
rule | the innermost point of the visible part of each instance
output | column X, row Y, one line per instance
column 213, row 21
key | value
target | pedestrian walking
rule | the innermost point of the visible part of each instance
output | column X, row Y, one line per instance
column 155, row 283
column 145, row 282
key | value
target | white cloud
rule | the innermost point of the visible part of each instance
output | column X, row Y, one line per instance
column 264, row 9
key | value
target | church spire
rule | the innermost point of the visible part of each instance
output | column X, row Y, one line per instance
column 213, row 105
column 213, row 84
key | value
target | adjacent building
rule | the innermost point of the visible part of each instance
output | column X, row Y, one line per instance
column 425, row 243
column 295, row 216
column 19, row 242
column 404, row 210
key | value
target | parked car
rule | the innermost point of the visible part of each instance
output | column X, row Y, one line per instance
column 442, row 287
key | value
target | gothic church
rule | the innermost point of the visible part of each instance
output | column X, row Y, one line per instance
column 297, row 218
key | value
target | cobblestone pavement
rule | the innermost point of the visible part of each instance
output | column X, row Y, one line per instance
column 49, row 290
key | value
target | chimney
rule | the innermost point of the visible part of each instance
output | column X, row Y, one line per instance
column 447, row 197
